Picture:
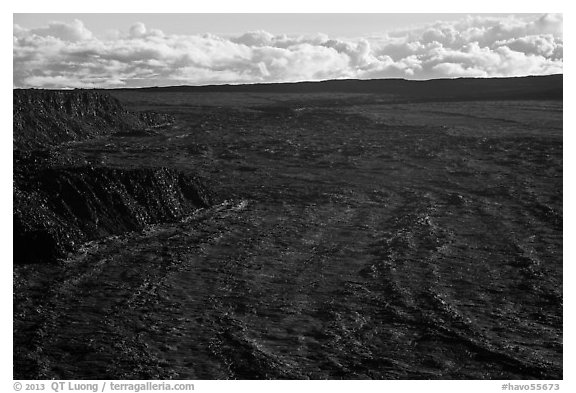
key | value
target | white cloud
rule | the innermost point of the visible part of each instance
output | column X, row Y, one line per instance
column 74, row 31
column 138, row 30
column 255, row 38
column 69, row 55
column 541, row 45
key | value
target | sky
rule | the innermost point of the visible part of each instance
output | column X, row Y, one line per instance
column 137, row 50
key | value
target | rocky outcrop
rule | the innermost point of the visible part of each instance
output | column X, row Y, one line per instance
column 58, row 208
column 45, row 118
column 61, row 202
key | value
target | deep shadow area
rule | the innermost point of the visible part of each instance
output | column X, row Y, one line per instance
column 341, row 230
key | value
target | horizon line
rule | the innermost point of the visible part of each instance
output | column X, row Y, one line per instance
column 295, row 82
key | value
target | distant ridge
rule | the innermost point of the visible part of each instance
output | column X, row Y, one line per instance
column 547, row 87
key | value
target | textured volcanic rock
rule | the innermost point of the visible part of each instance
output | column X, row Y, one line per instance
column 60, row 201
column 46, row 117
column 57, row 208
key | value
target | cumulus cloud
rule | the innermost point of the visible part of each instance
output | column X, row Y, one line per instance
column 255, row 38
column 138, row 30
column 67, row 55
column 74, row 31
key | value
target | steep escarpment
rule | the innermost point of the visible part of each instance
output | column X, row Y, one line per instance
column 47, row 117
column 62, row 200
column 57, row 208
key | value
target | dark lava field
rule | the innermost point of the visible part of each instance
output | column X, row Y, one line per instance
column 345, row 230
